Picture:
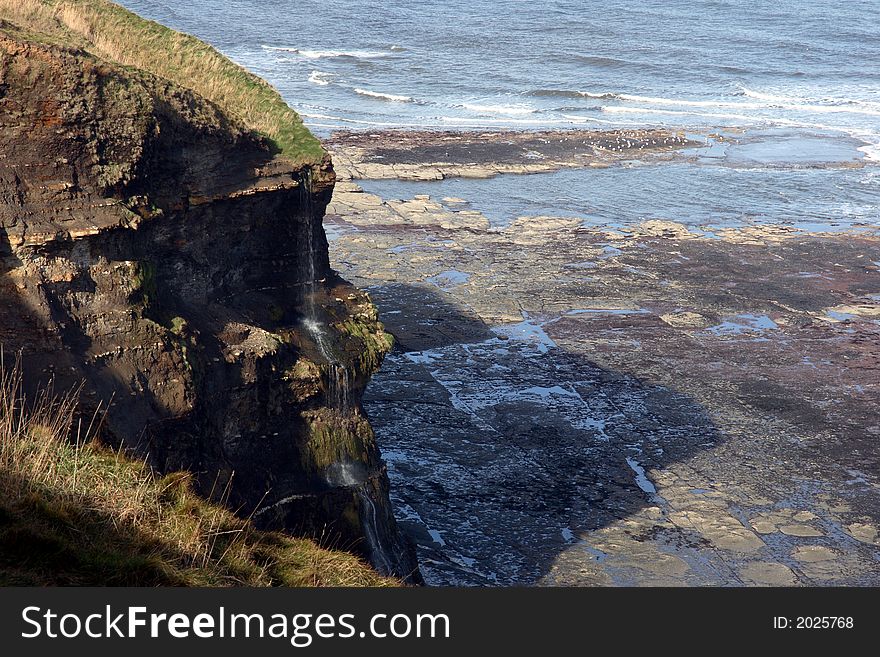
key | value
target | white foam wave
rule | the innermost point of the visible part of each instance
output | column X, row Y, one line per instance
column 342, row 119
column 319, row 78
column 606, row 95
column 319, row 54
column 871, row 151
column 326, row 117
column 689, row 103
column 768, row 101
column 508, row 110
column 771, row 98
column 825, row 105
column 391, row 97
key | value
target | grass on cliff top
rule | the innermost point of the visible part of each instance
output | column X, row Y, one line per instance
column 75, row 513
column 113, row 33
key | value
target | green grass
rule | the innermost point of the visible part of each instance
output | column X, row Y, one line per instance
column 75, row 513
column 113, row 33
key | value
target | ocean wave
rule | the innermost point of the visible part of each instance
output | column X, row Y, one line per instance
column 319, row 54
column 656, row 100
column 509, row 110
column 871, row 147
column 676, row 102
column 394, row 98
column 325, row 117
column 870, row 141
column 319, row 78
column 771, row 98
column 765, row 101
column 600, row 95
column 825, row 105
column 558, row 93
column 871, row 151
column 568, row 93
column 342, row 119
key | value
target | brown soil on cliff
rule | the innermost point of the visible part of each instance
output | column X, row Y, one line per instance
column 74, row 513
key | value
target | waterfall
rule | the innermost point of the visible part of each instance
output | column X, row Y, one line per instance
column 338, row 378
column 378, row 557
column 355, row 477
column 338, row 375
column 339, row 386
column 350, row 475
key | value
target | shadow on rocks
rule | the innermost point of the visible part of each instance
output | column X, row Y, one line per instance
column 503, row 448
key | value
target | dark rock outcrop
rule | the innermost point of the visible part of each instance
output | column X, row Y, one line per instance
column 155, row 249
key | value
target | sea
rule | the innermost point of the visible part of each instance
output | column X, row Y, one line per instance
column 793, row 84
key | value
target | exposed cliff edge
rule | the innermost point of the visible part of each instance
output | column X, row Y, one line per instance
column 156, row 246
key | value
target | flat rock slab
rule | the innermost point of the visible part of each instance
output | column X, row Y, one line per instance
column 434, row 155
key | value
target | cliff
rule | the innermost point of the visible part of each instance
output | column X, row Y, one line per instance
column 159, row 246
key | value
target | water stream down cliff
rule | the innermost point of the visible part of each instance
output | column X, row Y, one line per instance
column 338, row 381
column 340, row 474
column 156, row 250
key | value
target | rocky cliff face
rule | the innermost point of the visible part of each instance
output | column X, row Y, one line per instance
column 156, row 250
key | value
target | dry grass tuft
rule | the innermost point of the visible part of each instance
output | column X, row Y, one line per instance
column 73, row 512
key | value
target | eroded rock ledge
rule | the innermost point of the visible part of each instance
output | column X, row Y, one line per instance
column 435, row 155
column 157, row 250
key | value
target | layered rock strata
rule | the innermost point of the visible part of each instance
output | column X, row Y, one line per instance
column 163, row 256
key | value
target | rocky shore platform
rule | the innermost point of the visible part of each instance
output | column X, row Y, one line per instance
column 637, row 405
column 434, row 155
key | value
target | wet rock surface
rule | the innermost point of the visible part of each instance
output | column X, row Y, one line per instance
column 646, row 405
